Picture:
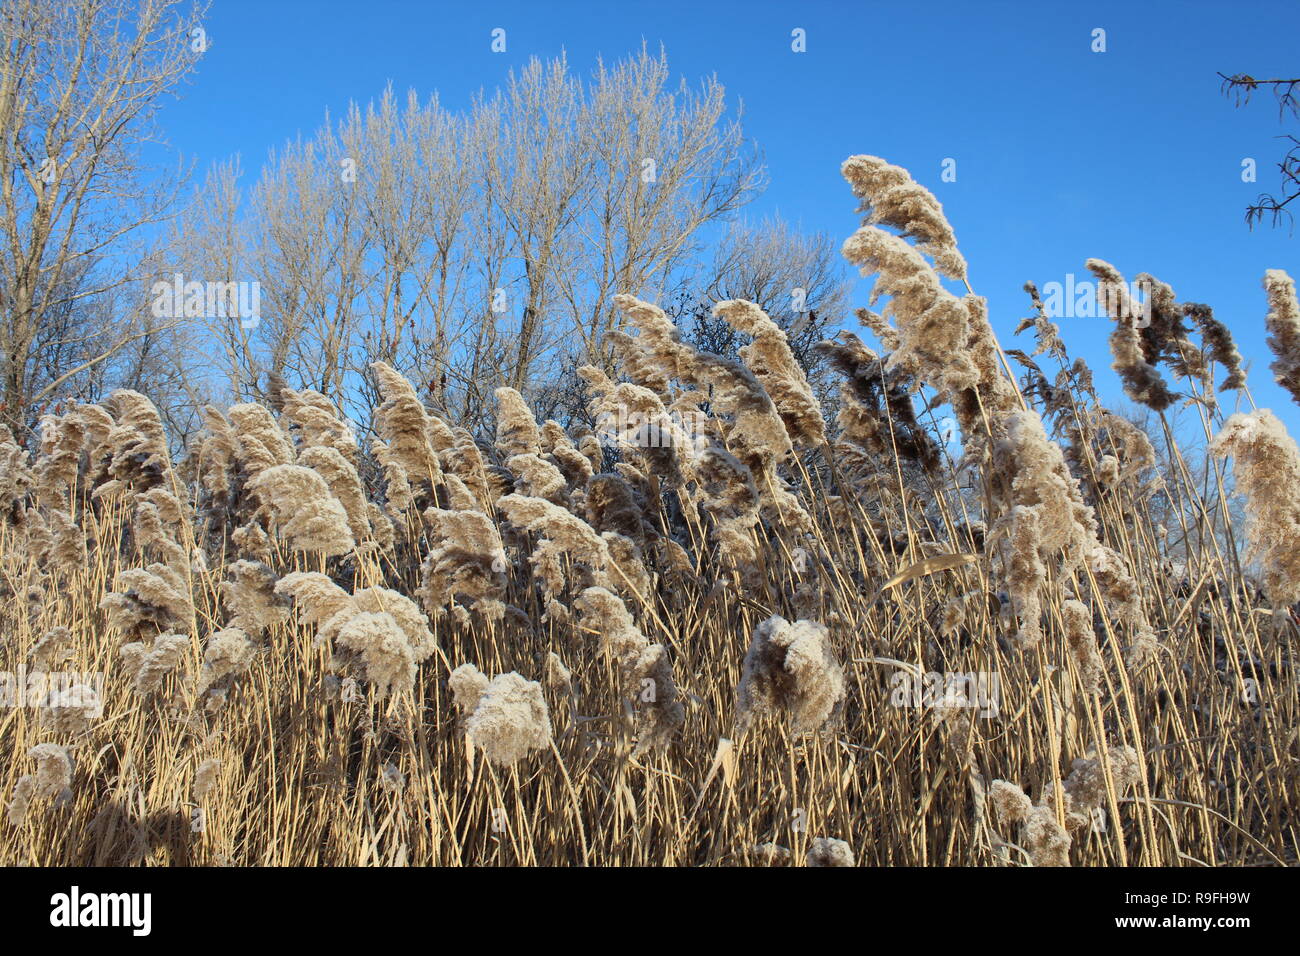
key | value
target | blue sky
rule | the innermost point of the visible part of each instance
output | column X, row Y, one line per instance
column 1132, row 155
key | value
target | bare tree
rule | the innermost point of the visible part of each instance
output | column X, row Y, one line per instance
column 668, row 163
column 1241, row 86
column 798, row 279
column 80, row 85
column 471, row 249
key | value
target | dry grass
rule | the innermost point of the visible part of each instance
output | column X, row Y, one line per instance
column 610, row 606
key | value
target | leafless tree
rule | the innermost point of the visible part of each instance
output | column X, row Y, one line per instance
column 80, row 85
column 470, row 249
column 798, row 279
column 1241, row 86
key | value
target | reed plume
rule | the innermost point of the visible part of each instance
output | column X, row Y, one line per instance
column 505, row 717
column 21, row 798
column 1142, row 381
column 645, row 668
column 828, row 851
column 228, row 654
column 309, row 517
column 466, row 563
column 205, row 779
column 772, row 362
column 156, row 598
column 260, row 442
column 517, row 432
column 376, row 632
column 53, row 770
column 312, row 417
column 344, row 485
column 405, row 426
column 1267, row 472
column 251, row 598
column 790, row 671
column 148, row 665
column 1283, row 324
column 890, row 196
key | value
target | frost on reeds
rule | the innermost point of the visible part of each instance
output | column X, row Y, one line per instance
column 505, row 717
column 309, row 517
column 228, row 654
column 889, row 195
column 770, row 359
column 251, row 599
column 562, row 535
column 1142, row 382
column 155, row 597
column 377, row 632
column 645, row 668
column 1267, row 472
column 466, row 563
column 790, row 671
column 828, row 851
column 1085, row 792
column 149, row 664
column 313, row 418
column 205, row 778
column 344, row 484
column 1283, row 324
column 1044, row 519
column 71, row 709
column 408, row 430
column 517, row 432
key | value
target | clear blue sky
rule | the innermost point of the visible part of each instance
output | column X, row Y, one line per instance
column 1132, row 155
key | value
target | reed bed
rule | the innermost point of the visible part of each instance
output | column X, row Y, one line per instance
column 702, row 628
